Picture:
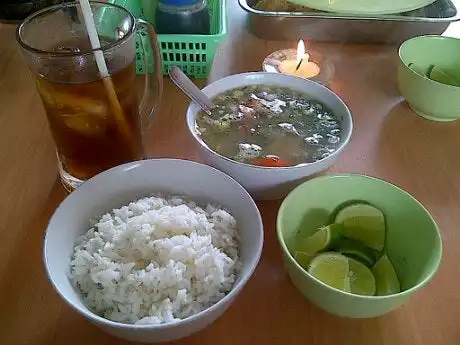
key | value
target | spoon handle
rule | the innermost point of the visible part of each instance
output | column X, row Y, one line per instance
column 190, row 89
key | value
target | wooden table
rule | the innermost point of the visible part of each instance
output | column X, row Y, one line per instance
column 389, row 142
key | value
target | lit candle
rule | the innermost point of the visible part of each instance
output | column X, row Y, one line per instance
column 301, row 67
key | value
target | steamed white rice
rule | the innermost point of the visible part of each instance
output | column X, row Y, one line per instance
column 157, row 260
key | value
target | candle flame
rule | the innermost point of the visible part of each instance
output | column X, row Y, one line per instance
column 301, row 54
column 300, row 50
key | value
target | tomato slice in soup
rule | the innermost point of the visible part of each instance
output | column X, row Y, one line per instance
column 270, row 161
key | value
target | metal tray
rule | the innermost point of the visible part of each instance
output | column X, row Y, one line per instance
column 333, row 27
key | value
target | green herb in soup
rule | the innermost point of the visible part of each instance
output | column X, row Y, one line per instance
column 269, row 126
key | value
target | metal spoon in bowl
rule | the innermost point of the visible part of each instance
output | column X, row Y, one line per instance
column 191, row 90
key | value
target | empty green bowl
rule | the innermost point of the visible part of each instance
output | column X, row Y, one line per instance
column 428, row 98
column 413, row 241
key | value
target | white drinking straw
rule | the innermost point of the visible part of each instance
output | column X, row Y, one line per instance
column 102, row 67
column 94, row 37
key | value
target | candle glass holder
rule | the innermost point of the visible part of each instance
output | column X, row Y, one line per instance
column 326, row 69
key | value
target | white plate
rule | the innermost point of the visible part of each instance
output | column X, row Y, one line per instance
column 364, row 7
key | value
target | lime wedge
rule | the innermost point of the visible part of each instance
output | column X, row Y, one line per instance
column 303, row 259
column 438, row 74
column 363, row 222
column 361, row 279
column 324, row 238
column 386, row 277
column 332, row 269
column 356, row 250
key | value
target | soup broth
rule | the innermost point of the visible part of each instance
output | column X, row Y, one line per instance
column 269, row 126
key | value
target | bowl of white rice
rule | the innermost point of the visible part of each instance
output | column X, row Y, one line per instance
column 154, row 250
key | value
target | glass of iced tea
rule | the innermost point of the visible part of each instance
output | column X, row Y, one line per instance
column 93, row 129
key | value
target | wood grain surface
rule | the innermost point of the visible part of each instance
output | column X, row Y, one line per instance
column 389, row 142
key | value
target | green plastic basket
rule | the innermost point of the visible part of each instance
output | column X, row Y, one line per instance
column 194, row 54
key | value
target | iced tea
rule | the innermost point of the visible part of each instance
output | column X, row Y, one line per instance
column 87, row 136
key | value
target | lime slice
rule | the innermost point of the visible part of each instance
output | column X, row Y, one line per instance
column 323, row 239
column 303, row 259
column 438, row 74
column 363, row 222
column 417, row 69
column 356, row 250
column 332, row 269
column 386, row 277
column 361, row 279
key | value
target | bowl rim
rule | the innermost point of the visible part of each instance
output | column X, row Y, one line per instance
column 87, row 313
column 301, row 166
column 420, row 76
column 349, row 294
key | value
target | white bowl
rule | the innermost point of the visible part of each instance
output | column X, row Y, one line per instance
column 263, row 182
column 128, row 182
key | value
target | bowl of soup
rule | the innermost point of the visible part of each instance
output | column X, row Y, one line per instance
column 270, row 131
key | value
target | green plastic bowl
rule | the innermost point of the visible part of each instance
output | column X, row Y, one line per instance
column 428, row 98
column 413, row 241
